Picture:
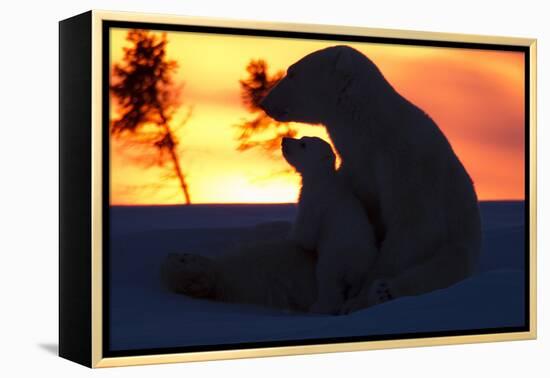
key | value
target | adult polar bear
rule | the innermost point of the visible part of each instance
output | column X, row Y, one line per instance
column 415, row 190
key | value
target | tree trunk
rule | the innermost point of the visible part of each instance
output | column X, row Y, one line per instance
column 177, row 167
column 181, row 177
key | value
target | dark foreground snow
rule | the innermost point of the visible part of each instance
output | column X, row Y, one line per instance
column 144, row 315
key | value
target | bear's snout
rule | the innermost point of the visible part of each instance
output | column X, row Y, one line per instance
column 286, row 144
column 268, row 105
column 264, row 104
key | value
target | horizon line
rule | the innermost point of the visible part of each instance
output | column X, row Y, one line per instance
column 259, row 203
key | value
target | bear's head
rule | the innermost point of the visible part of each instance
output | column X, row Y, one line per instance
column 317, row 83
column 190, row 274
column 309, row 155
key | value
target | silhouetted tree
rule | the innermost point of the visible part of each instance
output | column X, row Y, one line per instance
column 147, row 98
column 260, row 131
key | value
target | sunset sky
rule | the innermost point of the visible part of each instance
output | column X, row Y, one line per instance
column 475, row 96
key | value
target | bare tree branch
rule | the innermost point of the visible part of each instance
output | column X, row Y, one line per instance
column 147, row 99
column 261, row 131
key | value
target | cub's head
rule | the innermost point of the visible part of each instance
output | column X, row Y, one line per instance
column 315, row 85
column 309, row 155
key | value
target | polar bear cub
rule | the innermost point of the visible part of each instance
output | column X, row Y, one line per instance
column 330, row 221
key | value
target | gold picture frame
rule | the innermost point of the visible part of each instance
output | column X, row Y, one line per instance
column 81, row 242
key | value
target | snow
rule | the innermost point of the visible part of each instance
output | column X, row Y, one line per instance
column 144, row 315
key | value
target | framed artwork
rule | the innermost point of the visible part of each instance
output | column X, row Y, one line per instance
column 235, row 189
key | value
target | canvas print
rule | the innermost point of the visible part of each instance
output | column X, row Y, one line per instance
column 287, row 190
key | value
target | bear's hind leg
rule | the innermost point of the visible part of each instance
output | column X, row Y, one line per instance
column 451, row 265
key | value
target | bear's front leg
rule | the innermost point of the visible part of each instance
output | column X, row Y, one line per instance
column 328, row 302
column 306, row 228
column 330, row 290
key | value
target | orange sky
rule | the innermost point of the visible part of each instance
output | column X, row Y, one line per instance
column 475, row 96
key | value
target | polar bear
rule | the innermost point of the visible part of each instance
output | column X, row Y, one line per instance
column 330, row 221
column 416, row 192
column 274, row 272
